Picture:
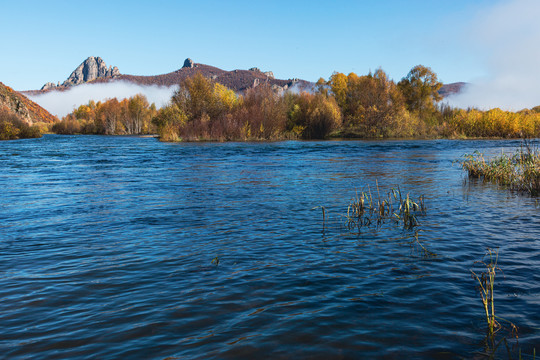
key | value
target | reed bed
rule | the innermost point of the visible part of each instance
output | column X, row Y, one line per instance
column 519, row 171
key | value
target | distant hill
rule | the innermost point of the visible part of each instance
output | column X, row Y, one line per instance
column 94, row 70
column 25, row 109
column 452, row 88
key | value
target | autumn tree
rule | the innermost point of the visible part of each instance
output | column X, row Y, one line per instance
column 370, row 104
column 206, row 107
column 137, row 113
column 420, row 89
column 322, row 87
column 262, row 113
column 107, row 116
column 313, row 116
column 197, row 99
column 168, row 122
column 111, row 117
column 338, row 84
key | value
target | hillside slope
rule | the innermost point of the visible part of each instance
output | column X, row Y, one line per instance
column 25, row 109
column 452, row 88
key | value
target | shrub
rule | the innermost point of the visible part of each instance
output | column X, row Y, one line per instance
column 12, row 127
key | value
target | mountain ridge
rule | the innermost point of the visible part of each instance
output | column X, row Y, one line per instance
column 94, row 71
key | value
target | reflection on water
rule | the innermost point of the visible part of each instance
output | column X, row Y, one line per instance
column 106, row 247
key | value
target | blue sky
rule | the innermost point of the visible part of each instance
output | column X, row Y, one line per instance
column 45, row 40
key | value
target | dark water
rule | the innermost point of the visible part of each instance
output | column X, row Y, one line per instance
column 106, row 249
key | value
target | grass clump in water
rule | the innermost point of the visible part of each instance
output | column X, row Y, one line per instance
column 520, row 171
column 364, row 209
column 486, row 286
column 367, row 209
column 486, row 283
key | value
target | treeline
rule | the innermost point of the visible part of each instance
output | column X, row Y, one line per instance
column 13, row 128
column 493, row 123
column 131, row 116
column 205, row 110
column 344, row 106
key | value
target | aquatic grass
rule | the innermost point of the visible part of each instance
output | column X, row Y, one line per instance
column 323, row 209
column 367, row 209
column 519, row 172
column 486, row 284
column 364, row 209
column 486, row 287
column 425, row 252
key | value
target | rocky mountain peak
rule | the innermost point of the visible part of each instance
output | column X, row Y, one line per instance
column 188, row 63
column 89, row 70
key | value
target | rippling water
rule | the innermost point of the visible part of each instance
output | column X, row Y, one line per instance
column 106, row 249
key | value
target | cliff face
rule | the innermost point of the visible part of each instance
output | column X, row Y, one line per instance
column 25, row 109
column 89, row 70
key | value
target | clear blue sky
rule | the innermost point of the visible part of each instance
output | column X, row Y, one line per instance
column 45, row 40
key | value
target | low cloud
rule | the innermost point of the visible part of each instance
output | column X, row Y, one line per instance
column 61, row 103
column 506, row 37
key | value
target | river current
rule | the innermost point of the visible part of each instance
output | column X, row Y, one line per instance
column 125, row 247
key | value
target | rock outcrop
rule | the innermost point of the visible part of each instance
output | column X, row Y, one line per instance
column 50, row 85
column 91, row 69
column 188, row 63
column 269, row 74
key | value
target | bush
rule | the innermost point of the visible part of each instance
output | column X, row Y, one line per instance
column 261, row 114
column 12, row 127
column 67, row 126
column 313, row 116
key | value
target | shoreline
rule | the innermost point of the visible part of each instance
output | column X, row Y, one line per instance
column 330, row 139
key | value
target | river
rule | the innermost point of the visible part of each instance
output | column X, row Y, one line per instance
column 125, row 247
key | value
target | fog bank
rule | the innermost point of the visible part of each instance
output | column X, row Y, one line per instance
column 61, row 103
column 506, row 37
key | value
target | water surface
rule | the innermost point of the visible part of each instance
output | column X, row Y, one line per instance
column 106, row 249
